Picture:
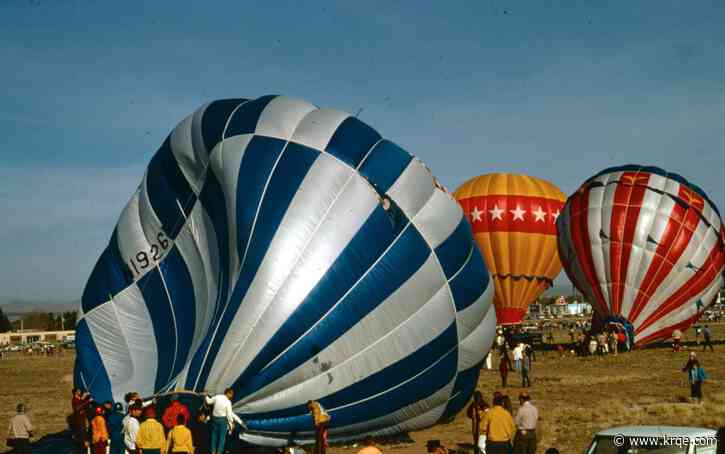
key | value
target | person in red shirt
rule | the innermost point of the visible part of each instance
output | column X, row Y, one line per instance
column 79, row 421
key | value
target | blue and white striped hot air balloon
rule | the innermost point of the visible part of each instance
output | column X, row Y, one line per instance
column 291, row 253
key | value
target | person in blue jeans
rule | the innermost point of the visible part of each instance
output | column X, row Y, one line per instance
column 222, row 419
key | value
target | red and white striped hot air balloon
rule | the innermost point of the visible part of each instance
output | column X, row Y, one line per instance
column 645, row 246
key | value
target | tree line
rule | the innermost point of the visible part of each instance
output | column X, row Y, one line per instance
column 42, row 321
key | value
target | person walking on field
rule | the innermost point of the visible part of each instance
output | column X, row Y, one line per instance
column 518, row 355
column 499, row 428
column 706, row 334
column 526, row 418
column 476, row 411
column 223, row 419
column 20, row 431
column 504, row 366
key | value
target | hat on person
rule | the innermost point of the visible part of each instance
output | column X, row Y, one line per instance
column 149, row 412
column 99, row 410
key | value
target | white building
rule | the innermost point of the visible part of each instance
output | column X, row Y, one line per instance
column 30, row 336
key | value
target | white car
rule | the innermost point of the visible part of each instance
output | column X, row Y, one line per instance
column 654, row 440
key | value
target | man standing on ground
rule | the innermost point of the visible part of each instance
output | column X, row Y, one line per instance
column 223, row 419
column 499, row 427
column 150, row 438
column 20, row 430
column 130, row 428
column 526, row 418
column 706, row 334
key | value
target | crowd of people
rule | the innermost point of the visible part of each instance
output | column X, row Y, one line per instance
column 497, row 430
column 134, row 427
column 518, row 359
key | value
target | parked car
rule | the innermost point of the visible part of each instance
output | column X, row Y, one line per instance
column 654, row 440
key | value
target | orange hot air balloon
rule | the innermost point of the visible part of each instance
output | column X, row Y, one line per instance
column 514, row 222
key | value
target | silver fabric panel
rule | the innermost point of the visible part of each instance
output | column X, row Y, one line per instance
column 474, row 347
column 406, row 418
column 438, row 218
column 282, row 116
column 131, row 237
column 224, row 163
column 330, row 206
column 134, row 321
column 412, row 189
column 318, row 127
column 190, row 161
column 191, row 241
column 402, row 324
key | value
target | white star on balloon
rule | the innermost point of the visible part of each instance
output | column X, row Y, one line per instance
column 476, row 214
column 518, row 213
column 555, row 215
column 496, row 213
column 539, row 215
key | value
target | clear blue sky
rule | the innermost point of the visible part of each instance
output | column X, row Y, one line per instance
column 556, row 89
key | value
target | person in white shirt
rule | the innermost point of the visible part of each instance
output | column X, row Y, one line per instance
column 130, row 428
column 518, row 355
column 223, row 419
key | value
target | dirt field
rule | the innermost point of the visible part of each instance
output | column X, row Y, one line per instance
column 576, row 396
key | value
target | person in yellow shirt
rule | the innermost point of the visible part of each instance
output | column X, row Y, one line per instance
column 320, row 419
column 476, row 411
column 499, row 427
column 150, row 438
column 179, row 439
column 99, row 432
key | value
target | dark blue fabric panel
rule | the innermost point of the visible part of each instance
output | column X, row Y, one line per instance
column 159, row 307
column 453, row 251
column 244, row 120
column 415, row 390
column 352, row 140
column 165, row 186
column 215, row 119
column 398, row 372
column 359, row 255
column 181, row 289
column 462, row 391
column 212, row 199
column 90, row 373
column 401, row 261
column 284, row 184
column 384, row 165
column 108, row 278
column 254, row 171
column 471, row 282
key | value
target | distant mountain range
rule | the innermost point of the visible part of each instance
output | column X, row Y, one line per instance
column 14, row 308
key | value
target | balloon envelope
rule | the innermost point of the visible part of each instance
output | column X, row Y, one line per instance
column 292, row 254
column 514, row 222
column 645, row 246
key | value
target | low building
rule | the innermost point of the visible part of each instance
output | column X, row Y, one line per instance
column 30, row 336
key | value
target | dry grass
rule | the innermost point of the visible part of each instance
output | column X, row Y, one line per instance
column 576, row 397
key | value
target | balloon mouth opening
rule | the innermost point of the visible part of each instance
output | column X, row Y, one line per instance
column 509, row 316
